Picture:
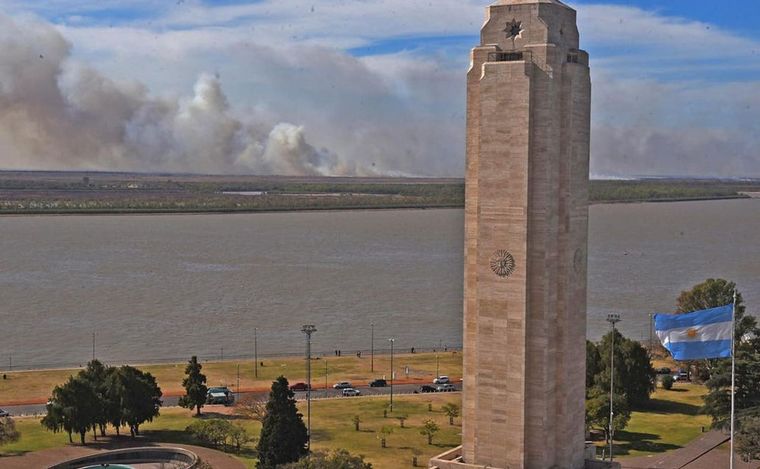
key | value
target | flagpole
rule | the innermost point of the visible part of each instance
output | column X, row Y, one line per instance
column 733, row 375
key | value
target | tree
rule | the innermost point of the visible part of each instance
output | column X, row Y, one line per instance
column 8, row 432
column 401, row 419
column 212, row 432
column 451, row 410
column 57, row 418
column 96, row 374
column 136, row 395
column 634, row 375
column 429, row 429
column 283, row 434
column 718, row 399
column 356, row 421
column 713, row 293
column 748, row 439
column 252, row 407
column 593, row 364
column 598, row 412
column 195, row 386
column 383, row 434
column 717, row 372
column 338, row 459
column 667, row 382
column 710, row 294
column 73, row 407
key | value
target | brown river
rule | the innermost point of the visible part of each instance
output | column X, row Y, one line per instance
column 163, row 287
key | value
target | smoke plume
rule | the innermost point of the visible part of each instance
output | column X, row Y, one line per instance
column 58, row 114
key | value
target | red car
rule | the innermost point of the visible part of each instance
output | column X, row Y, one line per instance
column 299, row 387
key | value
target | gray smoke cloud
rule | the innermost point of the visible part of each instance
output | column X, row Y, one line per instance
column 58, row 114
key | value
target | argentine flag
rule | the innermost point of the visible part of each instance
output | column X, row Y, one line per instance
column 697, row 335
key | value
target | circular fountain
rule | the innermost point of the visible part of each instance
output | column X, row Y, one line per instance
column 135, row 458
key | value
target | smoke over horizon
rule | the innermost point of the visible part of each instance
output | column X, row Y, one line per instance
column 58, row 114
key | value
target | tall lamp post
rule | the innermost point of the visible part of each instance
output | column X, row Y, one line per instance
column 392, row 340
column 372, row 349
column 612, row 318
column 308, row 329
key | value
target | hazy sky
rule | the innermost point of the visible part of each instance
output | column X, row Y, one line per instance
column 355, row 87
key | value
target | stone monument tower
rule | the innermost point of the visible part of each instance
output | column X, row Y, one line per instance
column 526, row 228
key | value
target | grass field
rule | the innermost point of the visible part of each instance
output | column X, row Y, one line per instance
column 36, row 386
column 670, row 421
column 332, row 428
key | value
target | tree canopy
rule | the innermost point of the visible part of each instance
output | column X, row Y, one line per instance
column 338, row 459
column 8, row 432
column 717, row 372
column 283, row 434
column 634, row 375
column 100, row 395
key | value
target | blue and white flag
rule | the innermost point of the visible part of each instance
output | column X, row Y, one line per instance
column 697, row 335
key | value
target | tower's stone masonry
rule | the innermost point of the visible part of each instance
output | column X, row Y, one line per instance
column 526, row 228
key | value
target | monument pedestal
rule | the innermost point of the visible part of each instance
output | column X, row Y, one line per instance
column 452, row 459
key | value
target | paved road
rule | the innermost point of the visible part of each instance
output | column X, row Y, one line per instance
column 172, row 401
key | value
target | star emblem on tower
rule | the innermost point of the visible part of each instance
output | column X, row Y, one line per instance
column 513, row 29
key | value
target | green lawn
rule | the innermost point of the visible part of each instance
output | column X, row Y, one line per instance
column 332, row 428
column 670, row 421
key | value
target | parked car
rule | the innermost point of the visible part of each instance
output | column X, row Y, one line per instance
column 378, row 383
column 351, row 392
column 4, row 413
column 443, row 379
column 683, row 375
column 342, row 385
column 427, row 388
column 446, row 387
column 299, row 387
column 664, row 371
column 220, row 395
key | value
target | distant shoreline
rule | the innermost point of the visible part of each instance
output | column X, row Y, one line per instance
column 230, row 211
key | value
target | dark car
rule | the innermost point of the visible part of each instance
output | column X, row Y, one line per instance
column 427, row 388
column 378, row 383
column 663, row 371
column 299, row 387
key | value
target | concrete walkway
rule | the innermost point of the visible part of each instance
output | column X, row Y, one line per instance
column 702, row 453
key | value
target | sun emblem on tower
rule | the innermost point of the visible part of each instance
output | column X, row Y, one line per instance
column 513, row 29
column 502, row 263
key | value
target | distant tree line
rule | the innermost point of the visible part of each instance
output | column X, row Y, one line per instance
column 99, row 396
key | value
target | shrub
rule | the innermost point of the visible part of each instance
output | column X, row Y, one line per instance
column 219, row 433
column 667, row 382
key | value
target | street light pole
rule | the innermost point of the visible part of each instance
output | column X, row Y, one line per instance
column 392, row 340
column 612, row 318
column 256, row 352
column 372, row 349
column 437, row 365
column 308, row 329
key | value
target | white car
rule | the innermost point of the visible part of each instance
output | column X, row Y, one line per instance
column 4, row 413
column 342, row 385
column 351, row 392
column 446, row 387
column 443, row 379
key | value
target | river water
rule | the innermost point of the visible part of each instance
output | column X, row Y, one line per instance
column 167, row 286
